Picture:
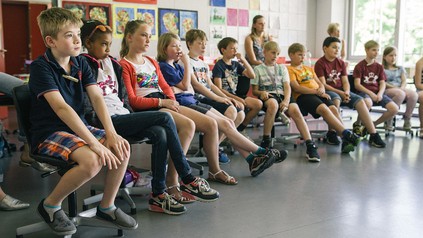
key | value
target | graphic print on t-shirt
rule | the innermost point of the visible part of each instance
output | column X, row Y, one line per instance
column 371, row 79
column 230, row 80
column 306, row 75
column 108, row 86
column 201, row 74
column 334, row 77
column 145, row 80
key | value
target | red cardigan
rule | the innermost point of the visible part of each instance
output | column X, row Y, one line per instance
column 130, row 80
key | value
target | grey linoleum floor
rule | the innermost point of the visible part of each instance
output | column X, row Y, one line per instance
column 369, row 193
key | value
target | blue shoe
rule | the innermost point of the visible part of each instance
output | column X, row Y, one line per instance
column 223, row 158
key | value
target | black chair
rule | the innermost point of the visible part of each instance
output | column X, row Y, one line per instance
column 22, row 100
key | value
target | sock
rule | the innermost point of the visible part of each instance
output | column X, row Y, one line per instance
column 308, row 142
column 241, row 127
column 51, row 210
column 249, row 158
column 260, row 151
column 188, row 179
column 266, row 137
column 108, row 210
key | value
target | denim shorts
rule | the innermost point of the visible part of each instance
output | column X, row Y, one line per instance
column 385, row 99
column 354, row 99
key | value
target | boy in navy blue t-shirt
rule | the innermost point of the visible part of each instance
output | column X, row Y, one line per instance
column 57, row 84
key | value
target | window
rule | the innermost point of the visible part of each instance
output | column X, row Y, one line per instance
column 389, row 22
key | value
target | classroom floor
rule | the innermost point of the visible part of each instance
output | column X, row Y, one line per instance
column 370, row 192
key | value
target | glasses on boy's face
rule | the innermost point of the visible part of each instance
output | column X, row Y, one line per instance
column 102, row 28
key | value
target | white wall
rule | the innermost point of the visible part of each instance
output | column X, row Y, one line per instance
column 296, row 22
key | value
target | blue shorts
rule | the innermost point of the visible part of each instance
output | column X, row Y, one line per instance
column 61, row 144
column 385, row 99
column 354, row 99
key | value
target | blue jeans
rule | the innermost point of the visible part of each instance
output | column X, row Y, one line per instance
column 160, row 128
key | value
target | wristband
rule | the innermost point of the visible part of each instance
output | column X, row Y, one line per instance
column 160, row 102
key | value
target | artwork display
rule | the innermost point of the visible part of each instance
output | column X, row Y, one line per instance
column 150, row 17
column 121, row 16
column 90, row 11
column 138, row 1
column 177, row 21
column 218, row 3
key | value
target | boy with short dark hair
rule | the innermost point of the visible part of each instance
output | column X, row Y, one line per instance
column 57, row 84
column 271, row 85
column 225, row 76
column 332, row 72
column 369, row 80
column 311, row 97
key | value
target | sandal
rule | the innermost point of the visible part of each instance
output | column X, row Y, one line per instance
column 181, row 196
column 228, row 181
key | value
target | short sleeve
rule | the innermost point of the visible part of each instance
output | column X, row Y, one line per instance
column 256, row 80
column 285, row 73
column 87, row 77
column 239, row 67
column 219, row 70
column 170, row 74
column 318, row 68
column 42, row 78
column 357, row 73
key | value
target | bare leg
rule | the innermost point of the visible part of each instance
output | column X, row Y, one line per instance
column 272, row 108
column 330, row 118
column 391, row 111
column 364, row 116
column 295, row 113
column 411, row 97
column 88, row 166
column 255, row 106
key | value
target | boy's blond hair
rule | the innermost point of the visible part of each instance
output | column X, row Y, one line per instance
column 296, row 47
column 271, row 45
column 53, row 20
column 371, row 44
column 193, row 35
column 332, row 27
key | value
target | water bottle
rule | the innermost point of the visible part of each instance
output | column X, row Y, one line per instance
column 307, row 59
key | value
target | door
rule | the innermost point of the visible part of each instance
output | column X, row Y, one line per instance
column 2, row 50
column 16, row 36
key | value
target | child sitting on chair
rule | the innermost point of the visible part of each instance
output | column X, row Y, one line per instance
column 311, row 97
column 369, row 80
column 271, row 85
column 332, row 72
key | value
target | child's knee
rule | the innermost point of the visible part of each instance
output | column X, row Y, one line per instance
column 231, row 113
column 256, row 104
column 392, row 107
column 90, row 165
column 271, row 106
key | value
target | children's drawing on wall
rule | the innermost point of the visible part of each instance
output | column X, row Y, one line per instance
column 187, row 20
column 79, row 9
column 232, row 19
column 242, row 17
column 218, row 3
column 218, row 15
column 217, row 32
column 150, row 17
column 121, row 16
column 100, row 13
column 169, row 21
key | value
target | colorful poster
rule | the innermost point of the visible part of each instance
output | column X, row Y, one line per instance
column 218, row 3
column 121, row 16
column 187, row 20
column 243, row 17
column 150, row 17
column 232, row 18
column 168, row 21
column 138, row 1
column 90, row 11
column 218, row 15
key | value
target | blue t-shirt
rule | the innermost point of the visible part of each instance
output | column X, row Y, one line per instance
column 173, row 76
column 46, row 75
column 393, row 76
column 229, row 74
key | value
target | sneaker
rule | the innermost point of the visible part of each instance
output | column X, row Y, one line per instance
column 223, row 157
column 119, row 218
column 407, row 124
column 388, row 125
column 61, row 224
column 376, row 141
column 165, row 203
column 332, row 138
column 200, row 188
column 262, row 162
column 359, row 129
column 266, row 143
column 350, row 141
column 280, row 155
column 311, row 152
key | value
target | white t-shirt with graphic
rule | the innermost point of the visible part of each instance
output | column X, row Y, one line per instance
column 107, row 81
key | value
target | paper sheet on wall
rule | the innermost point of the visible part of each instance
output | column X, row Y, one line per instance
column 218, row 15
column 232, row 17
column 243, row 32
column 243, row 17
column 243, row 4
column 217, row 32
column 283, row 6
column 274, row 21
column 264, row 5
column 284, row 20
column 254, row 4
